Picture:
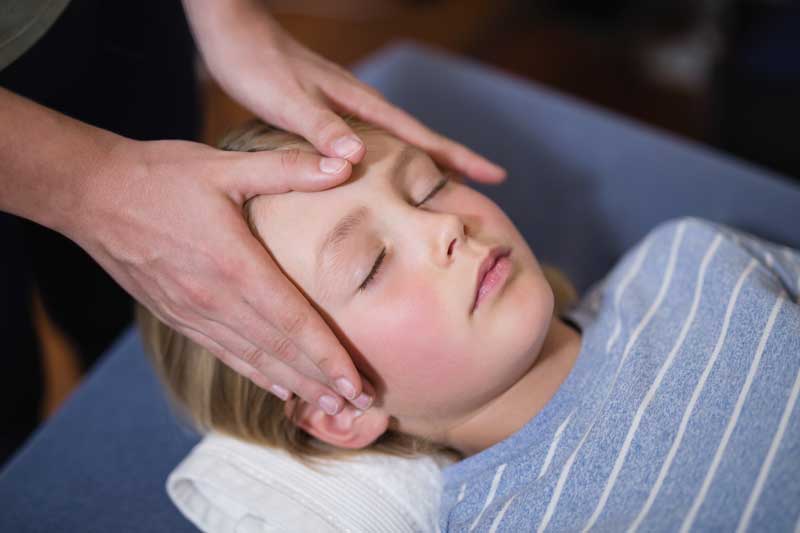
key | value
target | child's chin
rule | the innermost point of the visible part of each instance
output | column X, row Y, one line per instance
column 522, row 319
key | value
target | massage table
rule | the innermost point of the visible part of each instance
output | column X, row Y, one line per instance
column 584, row 185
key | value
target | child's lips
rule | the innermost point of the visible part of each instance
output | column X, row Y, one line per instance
column 492, row 273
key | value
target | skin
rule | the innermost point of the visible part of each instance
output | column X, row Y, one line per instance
column 462, row 378
column 163, row 218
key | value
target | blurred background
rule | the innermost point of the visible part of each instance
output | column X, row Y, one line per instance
column 725, row 73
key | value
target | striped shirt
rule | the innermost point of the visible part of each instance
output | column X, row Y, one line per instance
column 681, row 412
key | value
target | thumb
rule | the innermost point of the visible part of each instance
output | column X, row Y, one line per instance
column 283, row 170
column 324, row 129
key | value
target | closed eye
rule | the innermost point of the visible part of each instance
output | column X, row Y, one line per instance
column 382, row 255
column 375, row 267
column 435, row 190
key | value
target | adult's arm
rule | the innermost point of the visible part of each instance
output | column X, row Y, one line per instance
column 164, row 218
column 261, row 66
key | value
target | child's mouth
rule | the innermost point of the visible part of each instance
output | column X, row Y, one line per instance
column 493, row 272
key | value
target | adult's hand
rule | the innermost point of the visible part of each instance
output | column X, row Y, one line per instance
column 284, row 83
column 164, row 218
column 173, row 235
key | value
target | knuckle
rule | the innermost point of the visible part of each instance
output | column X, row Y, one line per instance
column 325, row 364
column 328, row 125
column 289, row 158
column 293, row 324
column 253, row 357
column 199, row 297
column 230, row 268
column 284, row 350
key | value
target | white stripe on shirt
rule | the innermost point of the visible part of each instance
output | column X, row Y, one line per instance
column 773, row 450
column 553, row 445
column 492, row 490
column 698, row 501
column 461, row 492
column 629, row 276
column 499, row 517
column 562, row 478
column 698, row 389
column 662, row 292
column 651, row 392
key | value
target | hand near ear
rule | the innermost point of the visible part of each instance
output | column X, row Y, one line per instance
column 351, row 428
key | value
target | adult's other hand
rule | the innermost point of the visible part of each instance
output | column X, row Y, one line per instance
column 266, row 70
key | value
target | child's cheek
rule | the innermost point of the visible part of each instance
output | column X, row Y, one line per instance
column 413, row 343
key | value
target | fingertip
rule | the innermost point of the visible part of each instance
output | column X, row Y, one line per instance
column 349, row 147
column 332, row 172
column 346, row 388
column 360, row 394
column 329, row 172
column 488, row 172
column 280, row 392
column 497, row 173
column 334, row 166
column 367, row 396
column 330, row 404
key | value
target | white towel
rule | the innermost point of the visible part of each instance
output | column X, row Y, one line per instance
column 228, row 486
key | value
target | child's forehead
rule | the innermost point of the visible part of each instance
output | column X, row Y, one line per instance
column 296, row 209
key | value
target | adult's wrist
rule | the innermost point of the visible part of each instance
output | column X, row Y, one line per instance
column 51, row 165
column 99, row 193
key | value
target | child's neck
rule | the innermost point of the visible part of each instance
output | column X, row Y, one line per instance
column 509, row 412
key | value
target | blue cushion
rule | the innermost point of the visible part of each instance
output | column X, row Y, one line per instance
column 584, row 185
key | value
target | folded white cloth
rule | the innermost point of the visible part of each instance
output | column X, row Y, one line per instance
column 228, row 486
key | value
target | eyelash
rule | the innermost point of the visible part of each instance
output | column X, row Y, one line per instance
column 379, row 261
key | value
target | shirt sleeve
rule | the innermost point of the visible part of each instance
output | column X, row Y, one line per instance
column 782, row 261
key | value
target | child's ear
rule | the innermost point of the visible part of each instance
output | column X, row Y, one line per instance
column 351, row 428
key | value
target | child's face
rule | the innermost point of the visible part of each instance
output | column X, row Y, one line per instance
column 412, row 329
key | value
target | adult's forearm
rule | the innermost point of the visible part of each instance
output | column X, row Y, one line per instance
column 208, row 15
column 215, row 24
column 50, row 164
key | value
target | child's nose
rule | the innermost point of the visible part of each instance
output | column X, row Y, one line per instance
column 452, row 234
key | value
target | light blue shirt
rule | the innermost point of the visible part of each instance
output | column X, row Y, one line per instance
column 681, row 412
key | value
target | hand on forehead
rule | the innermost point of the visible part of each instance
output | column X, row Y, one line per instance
column 307, row 231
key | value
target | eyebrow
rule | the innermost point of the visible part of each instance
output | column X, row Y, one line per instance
column 346, row 227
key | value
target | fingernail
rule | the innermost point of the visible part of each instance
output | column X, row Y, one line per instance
column 346, row 146
column 280, row 392
column 331, row 165
column 357, row 413
column 346, row 388
column 363, row 401
column 329, row 404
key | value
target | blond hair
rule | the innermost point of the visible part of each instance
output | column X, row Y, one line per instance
column 215, row 397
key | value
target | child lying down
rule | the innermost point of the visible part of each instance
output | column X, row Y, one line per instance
column 666, row 400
